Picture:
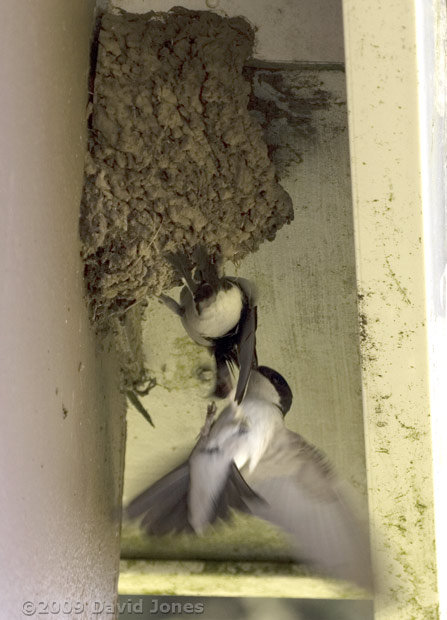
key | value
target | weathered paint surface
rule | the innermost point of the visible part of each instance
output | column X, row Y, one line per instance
column 381, row 65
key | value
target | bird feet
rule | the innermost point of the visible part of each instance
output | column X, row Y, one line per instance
column 210, row 413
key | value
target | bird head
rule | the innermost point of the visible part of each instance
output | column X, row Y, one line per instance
column 272, row 386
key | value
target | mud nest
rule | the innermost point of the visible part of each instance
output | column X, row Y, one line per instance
column 175, row 160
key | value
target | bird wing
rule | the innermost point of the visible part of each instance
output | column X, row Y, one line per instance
column 176, row 308
column 302, row 497
column 217, row 486
column 248, row 287
column 246, row 350
column 238, row 348
column 201, row 489
column 210, row 468
column 235, row 495
column 164, row 504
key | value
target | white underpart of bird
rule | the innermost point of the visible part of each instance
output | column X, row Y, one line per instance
column 217, row 315
column 250, row 461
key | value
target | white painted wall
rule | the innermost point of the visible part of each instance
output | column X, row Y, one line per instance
column 287, row 30
column 61, row 418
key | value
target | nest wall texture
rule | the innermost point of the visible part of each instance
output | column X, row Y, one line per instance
column 175, row 159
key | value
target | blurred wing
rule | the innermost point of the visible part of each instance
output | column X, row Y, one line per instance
column 210, row 470
column 164, row 504
column 236, row 494
column 220, row 488
column 304, row 500
column 240, row 350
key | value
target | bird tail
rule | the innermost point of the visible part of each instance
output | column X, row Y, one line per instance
column 164, row 504
column 208, row 266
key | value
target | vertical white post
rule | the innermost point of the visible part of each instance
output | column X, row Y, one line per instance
column 431, row 21
column 62, row 418
column 388, row 143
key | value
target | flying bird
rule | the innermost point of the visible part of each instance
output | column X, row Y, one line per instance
column 249, row 461
column 219, row 313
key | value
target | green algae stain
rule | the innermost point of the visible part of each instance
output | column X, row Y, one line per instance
column 413, row 434
column 190, row 366
column 402, row 289
column 420, row 507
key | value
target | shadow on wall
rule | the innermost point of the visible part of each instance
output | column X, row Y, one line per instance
column 173, row 607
